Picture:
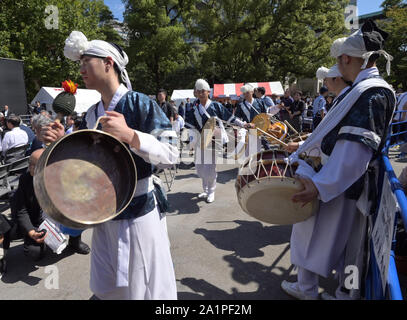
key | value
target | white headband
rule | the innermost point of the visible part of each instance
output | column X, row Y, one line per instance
column 334, row 72
column 247, row 88
column 201, row 84
column 354, row 46
column 77, row 45
column 321, row 73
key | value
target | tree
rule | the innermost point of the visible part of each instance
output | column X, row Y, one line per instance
column 257, row 40
column 158, row 47
column 24, row 35
column 396, row 45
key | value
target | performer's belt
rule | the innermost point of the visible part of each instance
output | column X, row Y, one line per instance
column 144, row 186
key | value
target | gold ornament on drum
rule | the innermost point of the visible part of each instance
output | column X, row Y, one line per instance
column 273, row 132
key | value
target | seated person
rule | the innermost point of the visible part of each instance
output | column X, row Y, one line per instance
column 27, row 217
column 4, row 228
column 77, row 124
column 30, row 133
column 37, row 122
column 15, row 137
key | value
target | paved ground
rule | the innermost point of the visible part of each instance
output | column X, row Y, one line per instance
column 219, row 252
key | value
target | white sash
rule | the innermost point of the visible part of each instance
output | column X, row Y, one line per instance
column 246, row 111
column 198, row 118
column 330, row 121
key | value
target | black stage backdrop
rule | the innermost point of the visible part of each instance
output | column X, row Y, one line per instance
column 12, row 86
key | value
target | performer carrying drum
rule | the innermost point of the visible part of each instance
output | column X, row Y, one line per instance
column 205, row 160
column 130, row 257
column 350, row 139
column 249, row 108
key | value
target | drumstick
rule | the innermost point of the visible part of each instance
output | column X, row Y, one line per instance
column 273, row 138
column 291, row 127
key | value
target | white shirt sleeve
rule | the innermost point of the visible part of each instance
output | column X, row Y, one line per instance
column 347, row 163
column 5, row 143
column 161, row 154
column 273, row 110
column 239, row 122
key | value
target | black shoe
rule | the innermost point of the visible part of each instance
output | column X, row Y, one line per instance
column 76, row 244
column 3, row 267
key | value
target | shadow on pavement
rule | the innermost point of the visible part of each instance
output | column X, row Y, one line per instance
column 268, row 280
column 20, row 266
column 246, row 241
column 225, row 176
column 248, row 238
column 183, row 203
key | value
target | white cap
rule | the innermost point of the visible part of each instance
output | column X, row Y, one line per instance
column 364, row 43
column 334, row 72
column 201, row 84
column 247, row 88
column 322, row 72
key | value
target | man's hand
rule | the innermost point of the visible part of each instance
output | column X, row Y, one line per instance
column 52, row 132
column 308, row 194
column 37, row 236
column 249, row 126
column 116, row 125
column 292, row 147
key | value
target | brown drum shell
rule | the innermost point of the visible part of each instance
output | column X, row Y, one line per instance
column 85, row 178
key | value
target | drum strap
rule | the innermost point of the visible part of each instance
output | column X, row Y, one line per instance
column 246, row 106
column 198, row 117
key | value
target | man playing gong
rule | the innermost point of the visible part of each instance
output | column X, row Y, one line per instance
column 131, row 256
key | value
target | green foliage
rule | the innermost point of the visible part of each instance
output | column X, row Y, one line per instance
column 23, row 35
column 230, row 40
column 396, row 45
column 158, row 49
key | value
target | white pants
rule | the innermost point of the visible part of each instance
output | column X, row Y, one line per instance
column 205, row 164
column 150, row 269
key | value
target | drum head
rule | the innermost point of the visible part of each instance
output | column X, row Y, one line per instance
column 269, row 200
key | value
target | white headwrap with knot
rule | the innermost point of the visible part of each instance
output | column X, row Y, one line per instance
column 77, row 45
column 354, row 46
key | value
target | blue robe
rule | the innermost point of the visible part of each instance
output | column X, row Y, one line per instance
column 215, row 109
column 258, row 105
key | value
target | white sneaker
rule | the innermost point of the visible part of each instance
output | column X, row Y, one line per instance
column 211, row 197
column 291, row 288
column 203, row 195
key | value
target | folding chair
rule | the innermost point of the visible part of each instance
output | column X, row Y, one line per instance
column 15, row 170
column 169, row 175
column 4, row 185
column 15, row 153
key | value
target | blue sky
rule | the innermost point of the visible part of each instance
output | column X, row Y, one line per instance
column 364, row 7
column 369, row 6
column 117, row 8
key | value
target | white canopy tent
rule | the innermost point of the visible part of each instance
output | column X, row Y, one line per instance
column 85, row 98
column 179, row 96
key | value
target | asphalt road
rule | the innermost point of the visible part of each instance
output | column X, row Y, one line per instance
column 219, row 252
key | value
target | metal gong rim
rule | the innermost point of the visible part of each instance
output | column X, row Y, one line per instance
column 110, row 138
